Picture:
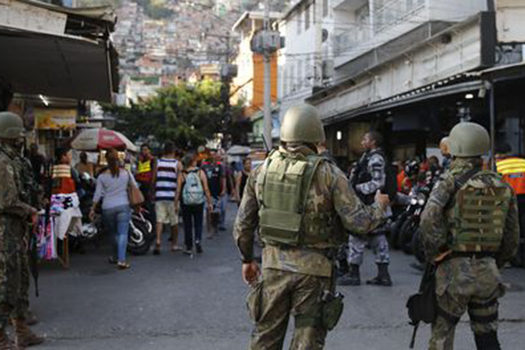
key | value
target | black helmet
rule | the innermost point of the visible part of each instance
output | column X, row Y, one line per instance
column 412, row 167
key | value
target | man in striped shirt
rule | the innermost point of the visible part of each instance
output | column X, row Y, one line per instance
column 165, row 173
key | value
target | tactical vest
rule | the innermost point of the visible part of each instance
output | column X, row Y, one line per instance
column 283, row 187
column 478, row 216
column 144, row 171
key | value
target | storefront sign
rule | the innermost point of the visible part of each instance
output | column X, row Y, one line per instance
column 55, row 119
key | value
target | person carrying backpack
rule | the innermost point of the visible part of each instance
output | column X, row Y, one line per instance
column 192, row 193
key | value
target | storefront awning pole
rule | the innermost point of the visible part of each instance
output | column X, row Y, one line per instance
column 492, row 126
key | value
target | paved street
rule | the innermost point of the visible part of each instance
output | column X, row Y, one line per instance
column 173, row 302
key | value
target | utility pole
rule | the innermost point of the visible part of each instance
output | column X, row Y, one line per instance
column 267, row 134
column 266, row 43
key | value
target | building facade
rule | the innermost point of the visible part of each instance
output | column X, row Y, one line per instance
column 248, row 85
column 413, row 68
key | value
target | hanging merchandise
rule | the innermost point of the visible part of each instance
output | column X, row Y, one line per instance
column 46, row 240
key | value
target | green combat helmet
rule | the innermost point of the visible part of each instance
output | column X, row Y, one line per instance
column 302, row 123
column 469, row 140
column 11, row 126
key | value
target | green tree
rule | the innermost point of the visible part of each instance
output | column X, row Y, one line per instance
column 186, row 114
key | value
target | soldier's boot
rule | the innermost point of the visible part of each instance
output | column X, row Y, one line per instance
column 6, row 343
column 352, row 278
column 487, row 341
column 31, row 318
column 342, row 267
column 24, row 335
column 382, row 278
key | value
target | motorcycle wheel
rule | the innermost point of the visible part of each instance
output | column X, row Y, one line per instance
column 139, row 239
column 406, row 233
column 417, row 246
column 394, row 231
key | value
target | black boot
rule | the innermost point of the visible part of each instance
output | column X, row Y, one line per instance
column 352, row 278
column 382, row 278
column 487, row 341
column 342, row 267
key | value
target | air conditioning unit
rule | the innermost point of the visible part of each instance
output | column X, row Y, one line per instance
column 328, row 69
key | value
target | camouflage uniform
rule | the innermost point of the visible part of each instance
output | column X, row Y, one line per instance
column 14, row 214
column 465, row 283
column 295, row 277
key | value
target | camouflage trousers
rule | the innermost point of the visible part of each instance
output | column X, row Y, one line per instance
column 460, row 288
column 14, row 270
column 279, row 295
column 378, row 243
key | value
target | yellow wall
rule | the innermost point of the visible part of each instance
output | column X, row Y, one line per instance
column 258, row 80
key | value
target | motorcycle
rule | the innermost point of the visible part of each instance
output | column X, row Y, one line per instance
column 411, row 223
column 140, row 234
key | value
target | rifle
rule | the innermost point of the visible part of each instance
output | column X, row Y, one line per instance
column 33, row 259
column 422, row 305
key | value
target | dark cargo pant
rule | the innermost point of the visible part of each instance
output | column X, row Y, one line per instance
column 282, row 294
column 14, row 270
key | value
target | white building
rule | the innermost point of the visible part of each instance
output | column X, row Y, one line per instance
column 412, row 68
column 307, row 58
column 141, row 89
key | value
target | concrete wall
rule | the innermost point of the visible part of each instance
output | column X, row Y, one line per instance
column 510, row 15
column 454, row 10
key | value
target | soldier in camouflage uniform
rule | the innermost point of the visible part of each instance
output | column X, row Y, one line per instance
column 470, row 228
column 300, row 202
column 15, row 212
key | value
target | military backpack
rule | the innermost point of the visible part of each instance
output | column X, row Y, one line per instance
column 283, row 187
column 478, row 214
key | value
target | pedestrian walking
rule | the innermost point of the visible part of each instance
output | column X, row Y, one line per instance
column 165, row 174
column 192, row 193
column 16, row 212
column 298, row 200
column 469, row 229
column 144, row 178
column 368, row 177
column 112, row 193
column 216, row 175
column 241, row 177
column 84, row 166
